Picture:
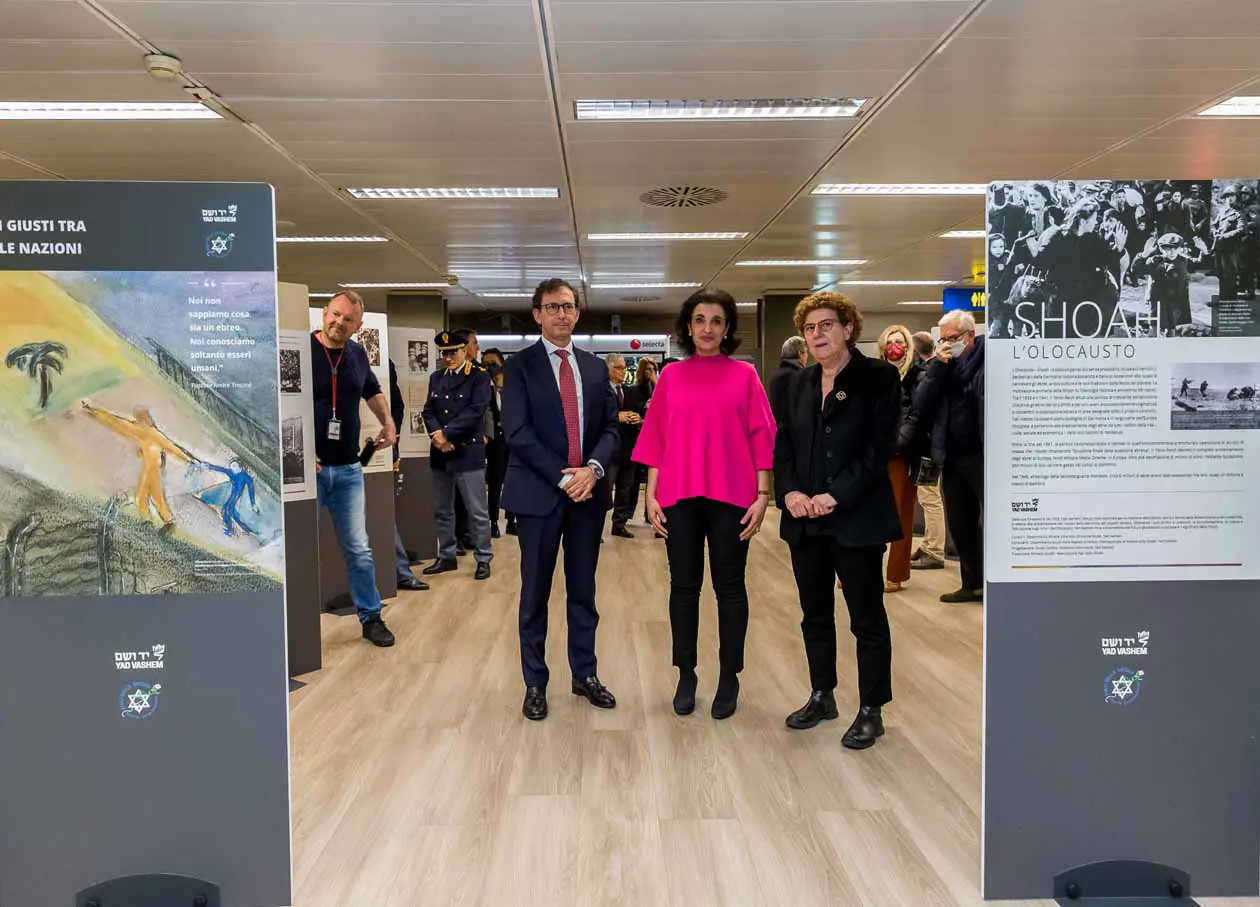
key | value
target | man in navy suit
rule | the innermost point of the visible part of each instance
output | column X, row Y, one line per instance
column 560, row 424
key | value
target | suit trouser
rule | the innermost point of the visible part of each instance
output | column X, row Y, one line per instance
column 933, row 520
column 690, row 524
column 962, row 486
column 623, row 479
column 471, row 486
column 817, row 562
column 579, row 527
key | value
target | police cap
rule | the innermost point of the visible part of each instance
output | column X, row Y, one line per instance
column 450, row 340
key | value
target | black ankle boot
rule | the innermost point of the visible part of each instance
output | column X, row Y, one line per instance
column 866, row 727
column 726, row 698
column 821, row 707
column 685, row 695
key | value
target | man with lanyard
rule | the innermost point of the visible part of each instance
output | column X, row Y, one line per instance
column 341, row 377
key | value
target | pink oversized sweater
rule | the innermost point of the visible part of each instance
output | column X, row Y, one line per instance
column 708, row 431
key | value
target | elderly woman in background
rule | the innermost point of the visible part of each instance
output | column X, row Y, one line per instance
column 903, row 466
column 708, row 443
column 838, row 509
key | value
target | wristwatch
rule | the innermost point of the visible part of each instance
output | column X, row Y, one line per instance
column 596, row 468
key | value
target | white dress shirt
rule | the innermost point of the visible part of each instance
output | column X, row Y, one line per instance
column 581, row 402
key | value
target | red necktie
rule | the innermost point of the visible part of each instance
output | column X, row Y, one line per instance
column 569, row 400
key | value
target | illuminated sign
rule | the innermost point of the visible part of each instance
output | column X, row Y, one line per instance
column 967, row 299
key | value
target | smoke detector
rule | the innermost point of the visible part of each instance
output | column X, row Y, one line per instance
column 164, row 67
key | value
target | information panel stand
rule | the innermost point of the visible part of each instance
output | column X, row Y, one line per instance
column 1122, row 493
column 143, row 712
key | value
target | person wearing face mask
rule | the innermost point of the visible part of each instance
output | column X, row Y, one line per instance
column 496, row 446
column 903, row 465
column 950, row 398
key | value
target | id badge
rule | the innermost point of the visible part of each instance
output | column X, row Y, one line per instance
column 334, row 430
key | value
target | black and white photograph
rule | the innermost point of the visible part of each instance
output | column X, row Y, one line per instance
column 370, row 340
column 1217, row 396
column 417, row 424
column 1074, row 259
column 290, row 371
column 417, row 357
column 293, row 451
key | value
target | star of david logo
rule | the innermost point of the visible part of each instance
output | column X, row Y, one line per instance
column 1123, row 686
column 218, row 245
column 139, row 700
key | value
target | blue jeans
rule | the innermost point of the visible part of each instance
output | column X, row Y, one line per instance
column 340, row 489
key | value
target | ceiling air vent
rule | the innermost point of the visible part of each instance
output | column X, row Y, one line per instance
column 683, row 197
column 640, row 299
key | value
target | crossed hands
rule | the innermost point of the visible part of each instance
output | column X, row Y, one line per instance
column 582, row 485
column 803, row 507
column 440, row 442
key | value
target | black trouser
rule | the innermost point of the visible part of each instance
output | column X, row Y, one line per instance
column 962, row 488
column 623, row 479
column 496, row 471
column 690, row 523
column 817, row 562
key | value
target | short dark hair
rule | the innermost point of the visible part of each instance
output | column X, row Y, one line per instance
column 730, row 343
column 550, row 285
column 493, row 351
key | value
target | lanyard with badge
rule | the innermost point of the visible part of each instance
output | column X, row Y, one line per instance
column 334, row 424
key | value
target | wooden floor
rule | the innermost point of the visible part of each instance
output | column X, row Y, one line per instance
column 416, row 781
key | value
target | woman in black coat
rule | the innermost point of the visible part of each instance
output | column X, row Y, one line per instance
column 831, row 474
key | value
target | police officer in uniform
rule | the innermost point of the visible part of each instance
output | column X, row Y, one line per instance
column 454, row 414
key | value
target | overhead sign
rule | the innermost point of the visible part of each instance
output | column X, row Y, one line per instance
column 965, row 299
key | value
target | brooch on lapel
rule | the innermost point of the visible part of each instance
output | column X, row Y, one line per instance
column 841, row 396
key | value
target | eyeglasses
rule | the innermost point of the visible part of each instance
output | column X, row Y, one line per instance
column 818, row 327
column 555, row 308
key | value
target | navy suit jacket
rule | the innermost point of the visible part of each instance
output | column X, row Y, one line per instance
column 534, row 429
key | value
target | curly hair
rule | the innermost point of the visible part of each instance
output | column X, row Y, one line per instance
column 846, row 312
column 682, row 327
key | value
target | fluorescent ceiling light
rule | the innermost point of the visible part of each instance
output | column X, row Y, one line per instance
column 859, row 282
column 965, row 234
column 901, row 189
column 777, row 109
column 1241, row 106
column 331, row 239
column 321, row 295
column 746, row 305
column 105, row 110
column 503, row 294
column 477, row 192
column 400, row 285
column 800, row 263
column 650, row 237
column 937, row 304
column 645, row 286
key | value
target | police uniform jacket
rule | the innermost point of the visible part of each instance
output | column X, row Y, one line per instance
column 457, row 404
column 841, row 448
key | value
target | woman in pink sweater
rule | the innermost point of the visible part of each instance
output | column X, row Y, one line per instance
column 708, row 443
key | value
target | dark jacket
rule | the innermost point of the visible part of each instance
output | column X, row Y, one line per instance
column 950, row 398
column 913, row 436
column 533, row 423
column 457, row 407
column 633, row 402
column 779, row 384
column 842, row 449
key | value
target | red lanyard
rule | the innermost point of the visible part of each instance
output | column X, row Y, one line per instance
column 333, row 368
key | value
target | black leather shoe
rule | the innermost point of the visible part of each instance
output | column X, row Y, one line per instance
column 867, row 726
column 461, row 551
column 685, row 695
column 821, row 707
column 622, row 532
column 962, row 596
column 535, row 707
column 511, row 529
column 925, row 561
column 411, row 584
column 591, row 689
column 483, row 572
column 494, row 531
column 726, row 698
column 375, row 632
column 441, row 565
